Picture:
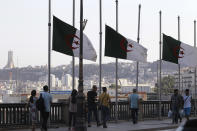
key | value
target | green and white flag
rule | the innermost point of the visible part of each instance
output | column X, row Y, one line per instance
column 66, row 40
column 118, row 46
column 177, row 52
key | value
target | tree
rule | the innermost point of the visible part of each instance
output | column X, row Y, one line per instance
column 167, row 85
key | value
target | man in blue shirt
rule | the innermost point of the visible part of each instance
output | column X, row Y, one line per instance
column 47, row 104
column 134, row 104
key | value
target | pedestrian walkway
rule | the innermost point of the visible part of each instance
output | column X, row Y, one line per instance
column 148, row 125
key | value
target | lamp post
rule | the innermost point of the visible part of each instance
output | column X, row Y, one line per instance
column 80, row 119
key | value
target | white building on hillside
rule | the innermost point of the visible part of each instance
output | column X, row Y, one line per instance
column 53, row 80
column 186, row 81
column 67, row 81
column 141, row 88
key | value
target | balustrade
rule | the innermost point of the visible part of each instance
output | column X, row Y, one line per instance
column 17, row 114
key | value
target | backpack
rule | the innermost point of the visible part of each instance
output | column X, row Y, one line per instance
column 40, row 103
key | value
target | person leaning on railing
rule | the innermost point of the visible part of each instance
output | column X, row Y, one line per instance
column 134, row 105
column 47, row 104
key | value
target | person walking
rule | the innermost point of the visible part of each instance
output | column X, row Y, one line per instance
column 181, row 107
column 134, row 105
column 176, row 104
column 47, row 104
column 33, row 109
column 104, row 100
column 92, row 106
column 187, row 104
column 72, row 109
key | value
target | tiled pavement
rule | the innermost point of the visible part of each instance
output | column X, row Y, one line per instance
column 149, row 125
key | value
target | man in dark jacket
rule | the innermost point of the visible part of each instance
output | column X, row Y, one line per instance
column 176, row 105
column 92, row 106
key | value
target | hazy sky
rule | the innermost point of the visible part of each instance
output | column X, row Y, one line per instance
column 23, row 26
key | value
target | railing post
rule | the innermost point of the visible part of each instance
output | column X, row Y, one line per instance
column 140, row 112
column 195, row 110
column 65, row 112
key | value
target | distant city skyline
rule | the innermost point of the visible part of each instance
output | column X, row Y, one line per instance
column 24, row 29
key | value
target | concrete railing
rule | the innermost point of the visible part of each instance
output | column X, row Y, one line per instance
column 16, row 114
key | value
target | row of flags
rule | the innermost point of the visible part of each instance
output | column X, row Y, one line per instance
column 66, row 40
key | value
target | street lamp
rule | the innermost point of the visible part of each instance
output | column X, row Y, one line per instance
column 80, row 118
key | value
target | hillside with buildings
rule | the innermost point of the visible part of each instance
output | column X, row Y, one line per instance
column 14, row 80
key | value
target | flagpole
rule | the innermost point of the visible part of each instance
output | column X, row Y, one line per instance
column 116, row 109
column 160, row 13
column 179, row 68
column 195, row 67
column 100, row 40
column 49, row 46
column 157, row 80
column 49, row 56
column 73, row 58
column 138, row 40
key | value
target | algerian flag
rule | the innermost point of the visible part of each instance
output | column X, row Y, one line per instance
column 118, row 46
column 66, row 40
column 177, row 52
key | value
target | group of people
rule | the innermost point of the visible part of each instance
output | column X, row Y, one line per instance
column 180, row 105
column 102, row 103
column 103, row 100
column 47, row 100
column 97, row 104
column 93, row 104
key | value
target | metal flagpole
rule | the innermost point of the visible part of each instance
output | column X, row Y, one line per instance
column 157, row 80
column 49, row 55
column 49, row 47
column 179, row 68
column 195, row 67
column 100, row 53
column 73, row 58
column 17, row 74
column 80, row 117
column 100, row 48
column 116, row 109
column 160, row 65
column 138, row 40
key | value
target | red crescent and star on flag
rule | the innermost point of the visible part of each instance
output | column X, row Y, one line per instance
column 123, row 46
column 181, row 52
column 75, row 44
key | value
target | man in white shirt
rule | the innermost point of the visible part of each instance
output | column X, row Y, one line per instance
column 187, row 104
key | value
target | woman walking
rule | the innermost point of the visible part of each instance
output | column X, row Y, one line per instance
column 72, row 109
